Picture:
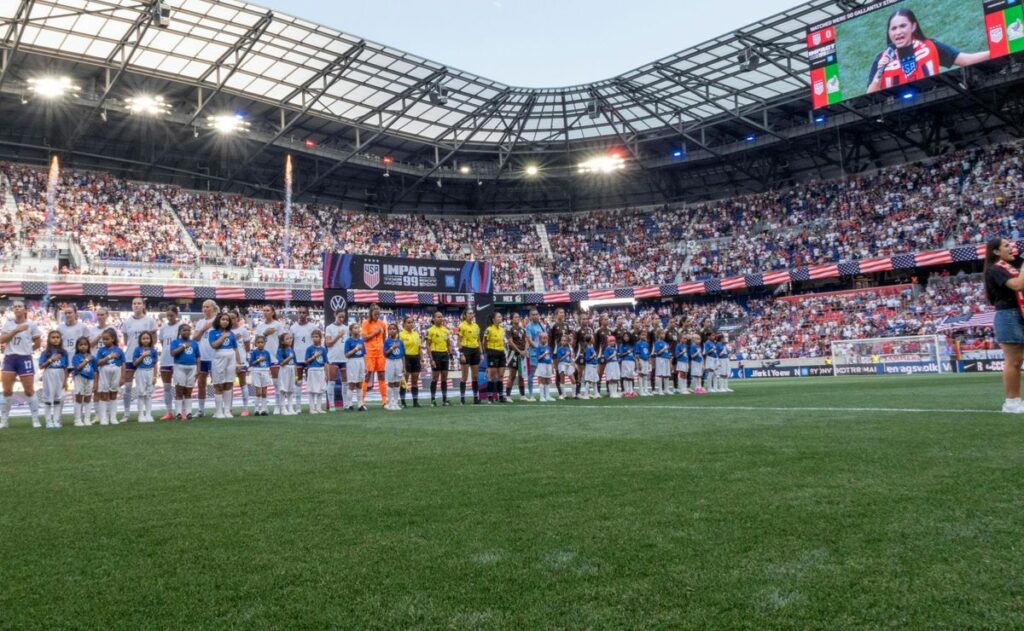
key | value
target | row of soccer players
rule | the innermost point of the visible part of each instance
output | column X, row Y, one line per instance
column 211, row 353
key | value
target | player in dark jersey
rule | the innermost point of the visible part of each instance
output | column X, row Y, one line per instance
column 601, row 336
column 516, row 348
column 556, row 333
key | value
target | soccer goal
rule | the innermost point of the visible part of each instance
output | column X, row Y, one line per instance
column 909, row 355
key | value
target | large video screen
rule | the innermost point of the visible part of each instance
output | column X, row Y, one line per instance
column 890, row 43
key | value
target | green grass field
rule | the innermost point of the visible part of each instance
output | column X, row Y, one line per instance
column 958, row 23
column 792, row 510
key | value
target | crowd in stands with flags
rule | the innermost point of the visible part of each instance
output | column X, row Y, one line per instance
column 964, row 197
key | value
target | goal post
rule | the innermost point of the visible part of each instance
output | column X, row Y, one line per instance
column 909, row 355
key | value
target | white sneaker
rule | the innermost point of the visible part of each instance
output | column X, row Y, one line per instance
column 35, row 423
column 1012, row 408
column 529, row 399
column 583, row 397
column 277, row 411
column 561, row 397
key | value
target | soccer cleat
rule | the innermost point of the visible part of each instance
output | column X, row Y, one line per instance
column 433, row 403
column 167, row 416
column 561, row 397
column 245, row 411
column 447, row 403
column 362, row 408
column 416, row 404
column 1013, row 407
column 528, row 399
column 35, row 423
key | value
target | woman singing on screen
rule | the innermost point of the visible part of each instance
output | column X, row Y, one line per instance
column 909, row 55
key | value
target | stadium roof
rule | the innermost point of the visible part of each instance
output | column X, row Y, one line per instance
column 377, row 128
column 243, row 49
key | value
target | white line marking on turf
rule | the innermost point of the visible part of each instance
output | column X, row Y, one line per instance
column 760, row 408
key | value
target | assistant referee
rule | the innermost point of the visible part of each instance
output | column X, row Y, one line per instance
column 413, row 362
column 494, row 341
column 440, row 354
column 469, row 347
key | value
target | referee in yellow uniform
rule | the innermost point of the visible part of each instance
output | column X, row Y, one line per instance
column 413, row 363
column 494, row 341
column 440, row 354
column 469, row 349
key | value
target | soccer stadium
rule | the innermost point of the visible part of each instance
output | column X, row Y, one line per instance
column 732, row 339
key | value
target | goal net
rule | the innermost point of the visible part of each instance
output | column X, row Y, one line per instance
column 909, row 355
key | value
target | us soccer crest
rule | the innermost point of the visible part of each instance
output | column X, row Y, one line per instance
column 995, row 34
column 909, row 64
column 819, row 88
column 816, row 38
column 371, row 275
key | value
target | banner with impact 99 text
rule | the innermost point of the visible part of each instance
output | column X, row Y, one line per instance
column 387, row 273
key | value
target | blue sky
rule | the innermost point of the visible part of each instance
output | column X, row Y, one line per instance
column 535, row 43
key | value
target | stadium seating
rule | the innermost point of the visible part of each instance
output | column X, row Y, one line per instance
column 963, row 197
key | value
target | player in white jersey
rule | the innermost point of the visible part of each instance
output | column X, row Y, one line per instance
column 244, row 340
column 167, row 334
column 336, row 334
column 71, row 329
column 133, row 326
column 21, row 337
column 96, row 340
column 302, row 330
column 202, row 335
column 271, row 330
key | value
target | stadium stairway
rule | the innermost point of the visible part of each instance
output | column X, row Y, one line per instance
column 538, row 279
column 545, row 244
column 186, row 236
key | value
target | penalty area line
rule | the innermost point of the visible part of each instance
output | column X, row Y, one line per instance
column 760, row 408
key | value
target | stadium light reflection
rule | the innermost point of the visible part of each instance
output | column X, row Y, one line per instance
column 587, row 305
column 602, row 164
column 532, row 170
column 147, row 105
column 52, row 87
column 227, row 123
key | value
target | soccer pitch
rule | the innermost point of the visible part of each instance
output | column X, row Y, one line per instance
column 816, row 503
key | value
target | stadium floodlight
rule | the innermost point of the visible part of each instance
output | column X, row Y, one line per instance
column 464, row 170
column 819, row 119
column 532, row 170
column 602, row 164
column 751, row 138
column 147, row 105
column 52, row 87
column 909, row 95
column 678, row 153
column 227, row 123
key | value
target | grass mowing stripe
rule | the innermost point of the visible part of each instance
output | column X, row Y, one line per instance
column 528, row 516
column 642, row 406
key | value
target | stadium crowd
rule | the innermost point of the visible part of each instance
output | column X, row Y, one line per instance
column 963, row 197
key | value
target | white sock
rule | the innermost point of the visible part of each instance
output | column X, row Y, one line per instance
column 188, row 405
column 229, row 399
column 58, row 411
column 330, row 395
column 202, row 403
column 245, row 396
column 33, row 407
column 127, row 399
column 277, row 393
column 169, row 403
